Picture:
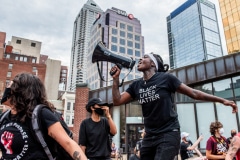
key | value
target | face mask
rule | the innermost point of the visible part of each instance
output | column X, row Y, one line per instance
column 187, row 138
column 221, row 131
column 233, row 134
column 99, row 111
column 6, row 95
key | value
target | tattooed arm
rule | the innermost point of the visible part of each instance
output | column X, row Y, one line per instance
column 234, row 146
column 57, row 132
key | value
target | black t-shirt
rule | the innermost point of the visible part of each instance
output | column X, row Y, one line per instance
column 134, row 157
column 18, row 141
column 185, row 154
column 138, row 145
column 156, row 97
column 95, row 136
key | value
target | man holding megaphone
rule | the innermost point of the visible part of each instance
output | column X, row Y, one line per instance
column 154, row 92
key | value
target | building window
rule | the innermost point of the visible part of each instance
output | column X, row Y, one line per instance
column 114, row 48
column 10, row 66
column 130, row 28
column 130, row 52
column 223, row 88
column 9, row 74
column 122, row 25
column 21, row 58
column 33, row 60
column 137, row 53
column 33, row 44
column 25, row 59
column 114, row 39
column 137, row 38
column 122, row 50
column 68, row 105
column 236, row 86
column 122, row 41
column 64, row 71
column 73, row 121
column 114, row 31
column 129, row 43
column 34, row 69
column 67, row 119
column 18, row 41
column 16, row 58
column 122, row 33
column 130, row 36
column 7, row 56
column 137, row 45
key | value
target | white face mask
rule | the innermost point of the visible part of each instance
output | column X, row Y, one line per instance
column 221, row 131
column 187, row 138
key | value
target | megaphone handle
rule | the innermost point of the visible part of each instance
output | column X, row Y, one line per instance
column 119, row 66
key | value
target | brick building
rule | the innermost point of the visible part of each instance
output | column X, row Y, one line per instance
column 80, row 113
column 23, row 55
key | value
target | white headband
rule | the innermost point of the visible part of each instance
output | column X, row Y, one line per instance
column 153, row 59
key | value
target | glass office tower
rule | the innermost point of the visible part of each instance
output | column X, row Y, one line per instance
column 231, row 23
column 193, row 33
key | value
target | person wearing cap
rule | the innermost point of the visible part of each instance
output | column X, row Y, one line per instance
column 187, row 147
column 95, row 132
column 155, row 92
column 217, row 145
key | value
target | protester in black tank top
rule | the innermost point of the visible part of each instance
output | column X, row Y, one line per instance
column 154, row 91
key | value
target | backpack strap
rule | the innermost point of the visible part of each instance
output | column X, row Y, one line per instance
column 3, row 115
column 38, row 132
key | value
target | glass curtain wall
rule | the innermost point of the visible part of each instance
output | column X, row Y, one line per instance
column 195, row 116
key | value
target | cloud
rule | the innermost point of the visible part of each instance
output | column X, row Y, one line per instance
column 51, row 22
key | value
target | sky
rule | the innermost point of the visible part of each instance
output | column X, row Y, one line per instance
column 51, row 22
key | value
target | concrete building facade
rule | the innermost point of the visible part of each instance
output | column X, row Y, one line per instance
column 81, row 37
column 51, row 81
column 121, row 33
column 193, row 33
column 26, row 47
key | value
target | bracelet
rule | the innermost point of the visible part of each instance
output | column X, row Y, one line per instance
column 109, row 116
